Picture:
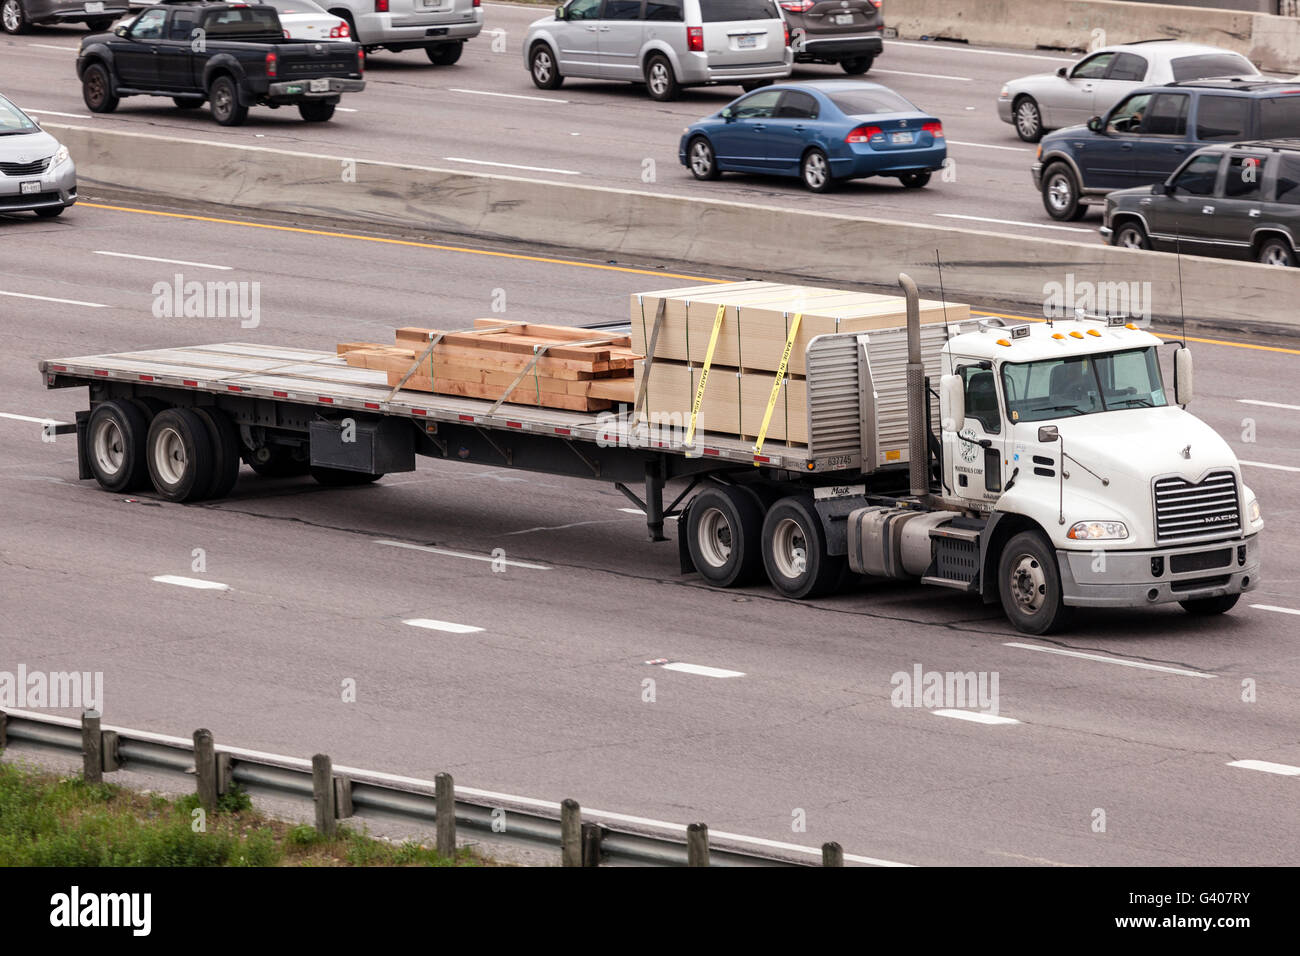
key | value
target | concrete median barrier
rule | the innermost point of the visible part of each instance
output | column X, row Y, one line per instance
column 1272, row 42
column 978, row 267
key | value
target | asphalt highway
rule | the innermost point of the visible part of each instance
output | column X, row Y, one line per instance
column 539, row 688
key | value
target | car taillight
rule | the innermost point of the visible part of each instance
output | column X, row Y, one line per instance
column 381, row 6
column 340, row 32
column 695, row 39
column 787, row 32
column 272, row 65
column 478, row 3
column 863, row 134
column 934, row 129
column 798, row 6
column 876, row 3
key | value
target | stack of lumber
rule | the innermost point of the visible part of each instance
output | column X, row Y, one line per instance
column 578, row 369
column 756, row 322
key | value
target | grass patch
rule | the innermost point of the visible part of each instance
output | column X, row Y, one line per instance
column 52, row 820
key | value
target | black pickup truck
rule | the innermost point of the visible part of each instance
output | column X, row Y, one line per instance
column 234, row 55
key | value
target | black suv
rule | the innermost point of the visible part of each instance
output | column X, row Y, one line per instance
column 1241, row 201
column 1149, row 133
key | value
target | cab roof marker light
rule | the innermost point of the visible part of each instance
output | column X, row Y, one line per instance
column 1076, row 334
column 1004, row 342
column 1094, row 332
column 1057, row 335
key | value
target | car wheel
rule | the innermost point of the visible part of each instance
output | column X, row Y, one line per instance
column 1028, row 119
column 815, row 171
column 101, row 25
column 1061, row 194
column 703, row 162
column 444, row 54
column 1207, row 607
column 1029, row 584
column 914, row 180
column 12, row 17
column 223, row 100
column 50, row 212
column 314, row 111
column 660, row 81
column 97, row 90
column 857, row 65
column 544, row 69
column 1276, row 252
column 1131, row 235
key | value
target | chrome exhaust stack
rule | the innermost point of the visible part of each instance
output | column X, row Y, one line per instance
column 918, row 452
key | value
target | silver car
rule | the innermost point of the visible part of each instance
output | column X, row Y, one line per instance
column 17, row 15
column 665, row 44
column 438, row 27
column 36, row 172
column 1038, row 104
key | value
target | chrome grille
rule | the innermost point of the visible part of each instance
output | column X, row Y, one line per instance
column 25, row 169
column 1186, row 510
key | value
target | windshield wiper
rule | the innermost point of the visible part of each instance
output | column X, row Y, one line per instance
column 1062, row 408
column 1140, row 402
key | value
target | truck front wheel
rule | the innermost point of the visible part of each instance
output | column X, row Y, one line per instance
column 794, row 550
column 97, row 89
column 1029, row 584
column 1206, row 607
column 724, row 534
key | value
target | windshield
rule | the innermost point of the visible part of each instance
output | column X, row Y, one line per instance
column 1055, row 388
column 13, row 120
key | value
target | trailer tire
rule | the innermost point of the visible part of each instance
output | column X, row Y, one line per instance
column 115, row 446
column 280, row 462
column 341, row 477
column 224, row 436
column 794, row 550
column 180, row 455
column 1029, row 584
column 724, row 533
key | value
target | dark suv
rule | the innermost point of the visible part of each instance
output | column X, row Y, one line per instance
column 1240, row 201
column 847, row 32
column 1149, row 133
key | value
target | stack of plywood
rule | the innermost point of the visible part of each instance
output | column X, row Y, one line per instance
column 579, row 369
column 756, row 322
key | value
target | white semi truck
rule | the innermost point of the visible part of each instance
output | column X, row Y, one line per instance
column 1059, row 475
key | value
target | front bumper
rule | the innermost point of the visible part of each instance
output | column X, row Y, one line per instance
column 295, row 90
column 1103, row 578
column 57, row 188
column 834, row 49
column 1004, row 110
column 1106, row 232
column 1036, row 170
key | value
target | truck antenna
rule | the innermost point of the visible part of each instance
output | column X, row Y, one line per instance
column 942, row 298
column 1182, row 315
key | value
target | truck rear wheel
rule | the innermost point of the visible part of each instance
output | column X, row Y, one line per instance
column 115, row 440
column 341, row 477
column 1029, row 584
column 180, row 455
column 1207, row 607
column 223, row 100
column 224, row 436
column 794, row 550
column 724, row 535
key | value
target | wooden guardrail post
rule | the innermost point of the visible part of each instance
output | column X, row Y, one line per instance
column 205, row 769
column 832, row 854
column 4, row 740
column 570, row 833
column 444, row 816
column 697, row 844
column 343, row 797
column 111, row 760
column 592, row 834
column 322, row 790
column 92, row 747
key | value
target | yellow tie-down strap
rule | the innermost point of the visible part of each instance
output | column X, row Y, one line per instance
column 776, row 383
column 704, row 374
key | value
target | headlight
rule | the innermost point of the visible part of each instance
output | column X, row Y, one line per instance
column 60, row 157
column 1097, row 530
column 1005, row 94
column 1253, row 510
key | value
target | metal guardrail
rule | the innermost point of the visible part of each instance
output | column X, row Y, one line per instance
column 344, row 792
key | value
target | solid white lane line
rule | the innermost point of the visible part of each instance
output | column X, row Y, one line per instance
column 57, row 113
column 1279, row 768
column 51, row 46
column 509, row 96
column 1279, row 610
column 461, row 554
column 1180, row 671
column 192, row 583
column 928, row 76
column 1010, row 149
column 701, row 670
column 1264, row 464
column 177, row 262
column 28, row 418
column 1252, row 401
column 346, row 109
column 531, row 169
column 966, row 48
column 447, row 626
column 47, row 298
column 1010, row 222
column 974, row 716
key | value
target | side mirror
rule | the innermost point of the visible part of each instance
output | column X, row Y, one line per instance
column 952, row 403
column 1048, row 433
column 1062, row 72
column 559, row 12
column 1095, row 124
column 122, row 30
column 726, row 113
column 1161, row 189
column 1183, row 390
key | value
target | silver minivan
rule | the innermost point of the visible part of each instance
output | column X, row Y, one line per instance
column 665, row 44
column 438, row 27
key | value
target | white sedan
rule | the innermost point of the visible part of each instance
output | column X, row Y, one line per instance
column 307, row 20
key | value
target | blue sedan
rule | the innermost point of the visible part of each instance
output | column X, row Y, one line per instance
column 820, row 131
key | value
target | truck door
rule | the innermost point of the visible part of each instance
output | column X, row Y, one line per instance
column 976, row 470
column 176, row 53
column 136, row 59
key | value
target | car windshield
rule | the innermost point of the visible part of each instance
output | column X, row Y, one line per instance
column 14, row 121
column 1064, row 387
column 1204, row 65
column 867, row 102
column 722, row 11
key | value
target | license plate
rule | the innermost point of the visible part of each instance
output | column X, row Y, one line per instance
column 843, row 18
column 746, row 43
column 96, row 6
column 30, row 187
column 319, row 86
column 900, row 137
